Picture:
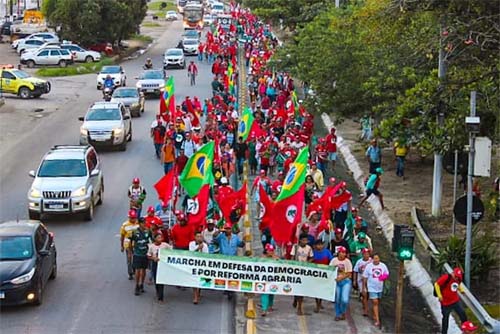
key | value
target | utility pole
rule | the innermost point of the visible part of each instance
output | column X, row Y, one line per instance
column 455, row 172
column 437, row 185
column 472, row 144
column 399, row 297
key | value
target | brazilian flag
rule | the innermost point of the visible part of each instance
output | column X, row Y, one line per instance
column 246, row 123
column 296, row 175
column 198, row 170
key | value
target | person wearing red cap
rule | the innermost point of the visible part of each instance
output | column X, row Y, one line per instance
column 136, row 195
column 126, row 230
column 182, row 233
column 267, row 300
column 446, row 288
column 331, row 146
column 276, row 185
column 374, row 276
column 321, row 255
column 338, row 241
column 359, row 268
column 152, row 219
column 468, row 327
column 158, row 131
column 344, row 283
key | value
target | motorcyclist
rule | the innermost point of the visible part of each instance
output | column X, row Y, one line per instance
column 148, row 65
column 109, row 82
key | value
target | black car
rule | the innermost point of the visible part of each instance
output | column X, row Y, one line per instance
column 27, row 262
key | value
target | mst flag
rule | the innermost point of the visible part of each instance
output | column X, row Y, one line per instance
column 196, row 208
column 287, row 213
column 296, row 175
column 198, row 170
column 165, row 186
column 266, row 209
column 246, row 123
column 229, row 202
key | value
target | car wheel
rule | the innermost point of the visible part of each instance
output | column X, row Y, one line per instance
column 62, row 63
column 39, row 293
column 89, row 214
column 30, row 63
column 24, row 92
column 124, row 83
column 130, row 133
column 123, row 146
column 138, row 113
column 184, row 66
column 89, row 59
column 21, row 51
column 98, row 87
column 101, row 194
column 33, row 215
column 53, row 273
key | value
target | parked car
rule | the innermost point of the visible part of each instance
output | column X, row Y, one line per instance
column 46, row 36
column 48, row 56
column 171, row 15
column 5, row 28
column 29, row 44
column 106, row 124
column 208, row 19
column 45, row 45
column 103, row 47
column 131, row 99
column 80, row 54
column 117, row 74
column 151, row 82
column 174, row 57
column 69, row 180
column 190, row 46
column 18, row 82
column 28, row 259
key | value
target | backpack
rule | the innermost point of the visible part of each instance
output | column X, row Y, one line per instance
column 441, row 286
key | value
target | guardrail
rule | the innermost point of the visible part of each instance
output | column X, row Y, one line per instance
column 490, row 324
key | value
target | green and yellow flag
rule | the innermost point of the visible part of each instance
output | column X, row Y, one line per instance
column 198, row 170
column 246, row 122
column 296, row 175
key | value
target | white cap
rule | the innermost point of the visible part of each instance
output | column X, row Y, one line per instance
column 223, row 180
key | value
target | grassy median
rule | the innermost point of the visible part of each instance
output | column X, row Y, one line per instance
column 75, row 69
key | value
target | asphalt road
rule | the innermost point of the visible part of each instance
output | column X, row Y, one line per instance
column 92, row 293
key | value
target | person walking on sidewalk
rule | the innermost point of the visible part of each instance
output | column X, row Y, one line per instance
column 126, row 230
column 374, row 276
column 154, row 256
column 400, row 151
column 359, row 268
column 321, row 255
column 140, row 241
column 446, row 289
column 197, row 245
column 374, row 156
column 192, row 73
column 267, row 300
column 301, row 252
column 344, row 284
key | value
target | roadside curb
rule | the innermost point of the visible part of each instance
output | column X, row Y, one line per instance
column 140, row 52
column 416, row 273
column 2, row 101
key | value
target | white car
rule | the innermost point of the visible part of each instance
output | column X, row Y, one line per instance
column 106, row 124
column 174, row 57
column 49, row 56
column 171, row 15
column 217, row 8
column 69, row 180
column 190, row 46
column 208, row 19
column 29, row 44
column 46, row 36
column 117, row 74
column 151, row 82
column 80, row 54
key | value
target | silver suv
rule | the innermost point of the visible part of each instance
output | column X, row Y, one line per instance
column 48, row 56
column 69, row 180
column 106, row 124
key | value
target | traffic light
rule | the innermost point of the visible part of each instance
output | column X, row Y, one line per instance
column 405, row 248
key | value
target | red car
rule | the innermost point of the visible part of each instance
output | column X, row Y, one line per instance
column 105, row 47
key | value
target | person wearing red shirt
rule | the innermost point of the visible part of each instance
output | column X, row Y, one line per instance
column 180, row 162
column 321, row 155
column 192, row 73
column 331, row 146
column 201, row 48
column 182, row 233
column 446, row 288
column 151, row 219
column 276, row 186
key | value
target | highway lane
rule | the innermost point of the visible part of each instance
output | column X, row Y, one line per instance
column 92, row 293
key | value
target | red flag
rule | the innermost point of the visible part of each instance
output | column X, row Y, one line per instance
column 171, row 108
column 286, row 214
column 266, row 209
column 165, row 186
column 256, row 131
column 197, row 207
column 232, row 201
column 337, row 201
column 195, row 121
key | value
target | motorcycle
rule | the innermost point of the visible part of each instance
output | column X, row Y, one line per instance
column 147, row 66
column 107, row 92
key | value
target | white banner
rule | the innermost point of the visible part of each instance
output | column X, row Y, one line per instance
column 246, row 274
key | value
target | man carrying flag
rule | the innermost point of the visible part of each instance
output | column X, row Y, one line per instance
column 169, row 97
column 198, row 170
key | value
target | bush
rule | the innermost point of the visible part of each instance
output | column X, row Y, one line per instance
column 142, row 38
column 75, row 69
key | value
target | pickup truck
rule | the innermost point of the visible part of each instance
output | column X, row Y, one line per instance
column 15, row 81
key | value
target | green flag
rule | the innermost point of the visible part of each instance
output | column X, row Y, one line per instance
column 246, row 123
column 296, row 175
column 198, row 170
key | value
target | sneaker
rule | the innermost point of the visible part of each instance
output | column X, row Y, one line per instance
column 141, row 287
column 137, row 292
column 130, row 277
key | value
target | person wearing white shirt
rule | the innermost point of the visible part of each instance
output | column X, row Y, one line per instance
column 189, row 146
column 154, row 256
column 374, row 275
column 197, row 245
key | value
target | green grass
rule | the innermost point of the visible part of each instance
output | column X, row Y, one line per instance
column 151, row 24
column 156, row 6
column 142, row 38
column 493, row 310
column 75, row 69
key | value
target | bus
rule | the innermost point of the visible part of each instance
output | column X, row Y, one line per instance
column 193, row 15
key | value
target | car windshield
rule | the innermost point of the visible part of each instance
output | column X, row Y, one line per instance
column 125, row 93
column 103, row 115
column 171, row 12
column 13, row 248
column 174, row 52
column 190, row 42
column 152, row 75
column 20, row 74
column 110, row 69
column 63, row 168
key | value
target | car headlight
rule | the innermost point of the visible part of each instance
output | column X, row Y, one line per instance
column 138, row 85
column 84, row 132
column 35, row 193
column 79, row 192
column 117, row 131
column 24, row 278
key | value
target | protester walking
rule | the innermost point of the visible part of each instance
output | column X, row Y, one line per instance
column 400, row 152
column 446, row 289
column 192, row 73
column 344, row 283
column 374, row 156
column 374, row 276
column 267, row 300
column 154, row 256
column 140, row 240
column 197, row 245
column 371, row 187
column 301, row 252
